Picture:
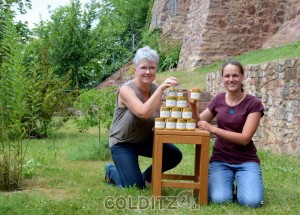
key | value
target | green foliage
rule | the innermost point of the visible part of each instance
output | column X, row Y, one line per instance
column 13, row 108
column 168, row 50
column 97, row 108
column 69, row 42
column 169, row 54
column 47, row 95
column 94, row 42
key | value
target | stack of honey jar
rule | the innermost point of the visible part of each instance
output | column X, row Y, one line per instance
column 175, row 113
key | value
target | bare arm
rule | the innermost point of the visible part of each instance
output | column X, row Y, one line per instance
column 243, row 138
column 128, row 98
column 206, row 115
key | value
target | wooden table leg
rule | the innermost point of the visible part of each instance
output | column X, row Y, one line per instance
column 157, row 166
column 197, row 170
column 204, row 160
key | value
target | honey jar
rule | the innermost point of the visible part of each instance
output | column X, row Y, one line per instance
column 182, row 102
column 195, row 94
column 170, row 124
column 171, row 101
column 164, row 112
column 179, row 93
column 172, row 92
column 159, row 123
column 191, row 124
column 176, row 113
column 187, row 113
column 180, row 124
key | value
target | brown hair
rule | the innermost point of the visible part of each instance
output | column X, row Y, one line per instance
column 237, row 64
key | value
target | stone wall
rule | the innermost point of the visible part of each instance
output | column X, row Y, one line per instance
column 211, row 30
column 277, row 84
column 170, row 16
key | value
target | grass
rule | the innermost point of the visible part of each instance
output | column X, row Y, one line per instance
column 63, row 182
column 197, row 77
column 65, row 173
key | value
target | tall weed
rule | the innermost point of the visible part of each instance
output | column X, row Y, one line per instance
column 13, row 108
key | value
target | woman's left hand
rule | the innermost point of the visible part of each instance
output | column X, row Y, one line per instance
column 203, row 125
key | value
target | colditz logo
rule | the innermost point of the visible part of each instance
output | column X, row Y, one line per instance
column 184, row 199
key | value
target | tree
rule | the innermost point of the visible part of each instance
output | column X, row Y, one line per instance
column 97, row 108
column 68, row 37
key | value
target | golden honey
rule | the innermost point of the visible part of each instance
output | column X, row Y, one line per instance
column 191, row 124
column 159, row 123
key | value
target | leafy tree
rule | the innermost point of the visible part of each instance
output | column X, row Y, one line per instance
column 47, row 93
column 68, row 39
column 96, row 107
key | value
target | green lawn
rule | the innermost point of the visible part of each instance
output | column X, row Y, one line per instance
column 196, row 78
column 66, row 179
column 65, row 173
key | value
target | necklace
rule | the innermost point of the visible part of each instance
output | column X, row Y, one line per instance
column 231, row 110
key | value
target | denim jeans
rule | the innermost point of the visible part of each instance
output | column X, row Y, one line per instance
column 127, row 172
column 247, row 177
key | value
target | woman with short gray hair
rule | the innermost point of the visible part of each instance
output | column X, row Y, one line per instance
column 131, row 134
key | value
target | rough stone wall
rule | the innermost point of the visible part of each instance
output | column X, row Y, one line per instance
column 211, row 30
column 231, row 27
column 172, row 23
column 277, row 84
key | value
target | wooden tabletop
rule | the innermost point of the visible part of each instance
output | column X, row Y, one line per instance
column 196, row 132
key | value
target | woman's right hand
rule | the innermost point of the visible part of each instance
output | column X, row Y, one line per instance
column 169, row 82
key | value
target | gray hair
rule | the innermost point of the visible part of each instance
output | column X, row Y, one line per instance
column 145, row 53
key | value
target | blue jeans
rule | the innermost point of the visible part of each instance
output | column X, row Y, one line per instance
column 247, row 177
column 127, row 172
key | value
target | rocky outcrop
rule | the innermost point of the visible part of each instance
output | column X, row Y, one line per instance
column 287, row 33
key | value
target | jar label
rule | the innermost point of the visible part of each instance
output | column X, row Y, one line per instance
column 180, row 125
column 195, row 95
column 170, row 103
column 170, row 125
column 187, row 115
column 181, row 103
column 176, row 114
column 159, row 125
column 164, row 114
column 190, row 125
column 172, row 93
column 179, row 93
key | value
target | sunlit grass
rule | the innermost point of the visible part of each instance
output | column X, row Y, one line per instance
column 197, row 77
column 62, row 185
column 64, row 175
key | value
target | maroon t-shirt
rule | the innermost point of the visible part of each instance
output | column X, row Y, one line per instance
column 224, row 150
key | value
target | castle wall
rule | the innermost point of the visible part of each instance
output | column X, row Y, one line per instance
column 213, row 30
column 277, row 84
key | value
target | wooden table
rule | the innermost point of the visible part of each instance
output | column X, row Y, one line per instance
column 198, row 181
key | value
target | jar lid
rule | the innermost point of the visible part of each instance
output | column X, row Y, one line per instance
column 180, row 120
column 187, row 109
column 171, row 97
column 159, row 119
column 181, row 98
column 165, row 108
column 191, row 120
column 176, row 109
column 196, row 90
column 171, row 120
